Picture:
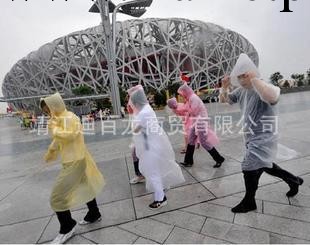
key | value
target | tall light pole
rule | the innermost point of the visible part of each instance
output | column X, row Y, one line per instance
column 135, row 8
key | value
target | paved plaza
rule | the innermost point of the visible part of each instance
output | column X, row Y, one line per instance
column 198, row 211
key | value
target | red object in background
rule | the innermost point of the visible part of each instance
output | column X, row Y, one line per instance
column 129, row 109
column 9, row 110
column 185, row 78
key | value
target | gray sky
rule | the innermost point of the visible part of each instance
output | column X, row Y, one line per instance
column 281, row 39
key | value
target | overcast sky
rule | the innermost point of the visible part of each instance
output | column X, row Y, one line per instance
column 281, row 39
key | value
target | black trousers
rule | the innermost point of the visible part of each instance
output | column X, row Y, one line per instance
column 136, row 166
column 67, row 222
column 251, row 179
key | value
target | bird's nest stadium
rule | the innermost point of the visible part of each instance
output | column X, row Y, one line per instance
column 152, row 52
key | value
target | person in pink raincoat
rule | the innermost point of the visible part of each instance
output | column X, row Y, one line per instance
column 199, row 128
column 181, row 110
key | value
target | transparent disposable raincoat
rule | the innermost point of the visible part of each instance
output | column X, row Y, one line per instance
column 259, row 119
column 182, row 110
column 79, row 180
column 199, row 117
column 243, row 65
column 156, row 156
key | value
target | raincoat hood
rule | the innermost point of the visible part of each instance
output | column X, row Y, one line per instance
column 186, row 91
column 172, row 103
column 55, row 103
column 137, row 98
column 133, row 89
column 243, row 65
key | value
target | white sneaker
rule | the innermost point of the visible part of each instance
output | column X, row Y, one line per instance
column 136, row 180
column 62, row 238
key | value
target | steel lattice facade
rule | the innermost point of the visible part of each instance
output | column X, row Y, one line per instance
column 149, row 51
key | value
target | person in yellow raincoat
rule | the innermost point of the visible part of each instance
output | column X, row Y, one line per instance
column 79, row 181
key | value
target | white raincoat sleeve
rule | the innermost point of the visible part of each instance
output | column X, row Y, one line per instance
column 141, row 120
column 266, row 91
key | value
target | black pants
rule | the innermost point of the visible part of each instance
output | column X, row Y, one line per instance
column 67, row 222
column 135, row 162
column 136, row 166
column 251, row 179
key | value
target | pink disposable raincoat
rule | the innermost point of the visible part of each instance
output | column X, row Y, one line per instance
column 182, row 110
column 198, row 114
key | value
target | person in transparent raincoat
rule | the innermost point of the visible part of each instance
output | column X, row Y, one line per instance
column 153, row 148
column 138, row 178
column 257, row 100
column 199, row 128
column 79, row 180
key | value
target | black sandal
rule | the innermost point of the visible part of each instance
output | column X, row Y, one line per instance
column 158, row 204
column 183, row 151
column 217, row 165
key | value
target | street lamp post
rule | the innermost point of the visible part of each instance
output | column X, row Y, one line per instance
column 135, row 8
column 102, row 6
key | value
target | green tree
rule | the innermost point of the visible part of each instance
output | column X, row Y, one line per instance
column 80, row 91
column 300, row 78
column 286, row 84
column 122, row 94
column 83, row 90
column 160, row 98
column 308, row 77
column 173, row 88
column 275, row 77
column 105, row 103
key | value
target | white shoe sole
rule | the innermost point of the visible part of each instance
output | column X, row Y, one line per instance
column 68, row 236
column 83, row 222
column 137, row 182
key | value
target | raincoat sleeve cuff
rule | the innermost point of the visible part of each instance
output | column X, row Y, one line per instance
column 266, row 91
column 234, row 96
column 51, row 156
column 53, row 146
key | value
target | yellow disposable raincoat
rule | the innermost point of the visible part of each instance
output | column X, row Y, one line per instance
column 79, row 180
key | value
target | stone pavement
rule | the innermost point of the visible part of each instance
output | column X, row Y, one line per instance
column 198, row 211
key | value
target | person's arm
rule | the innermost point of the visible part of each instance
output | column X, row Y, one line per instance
column 181, row 109
column 267, row 91
column 54, row 146
column 72, row 128
column 140, row 122
column 52, row 152
column 137, row 129
column 225, row 96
